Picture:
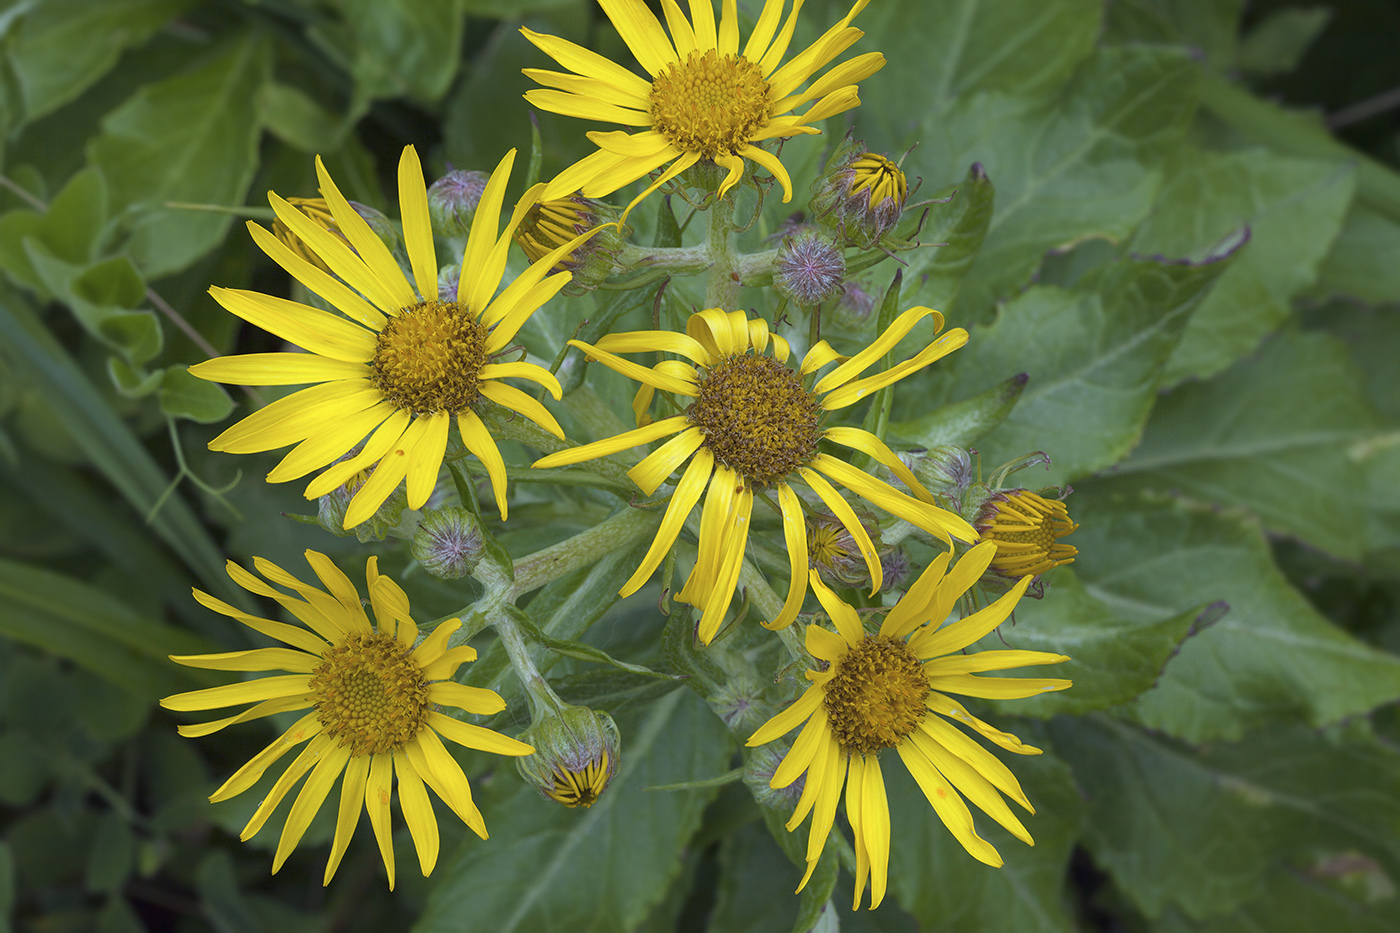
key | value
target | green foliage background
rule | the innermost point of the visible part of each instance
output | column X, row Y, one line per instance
column 1202, row 284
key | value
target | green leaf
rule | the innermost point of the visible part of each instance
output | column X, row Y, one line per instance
column 1201, row 829
column 395, row 48
column 580, row 651
column 1022, row 46
column 1080, row 168
column 191, row 137
column 61, row 47
column 67, row 618
column 600, row 868
column 1341, row 892
column 1113, row 658
column 1277, row 43
column 186, row 396
column 1273, row 434
column 954, row 232
column 76, row 217
column 1361, row 263
column 1272, row 656
column 1093, row 354
column 756, row 881
column 961, row 423
column 24, row 776
column 937, row 881
column 112, row 855
column 132, row 381
column 1293, row 209
column 7, row 887
column 109, row 445
column 1209, row 25
column 294, row 117
column 135, row 334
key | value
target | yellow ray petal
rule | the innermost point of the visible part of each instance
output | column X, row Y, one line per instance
column 301, row 764
column 662, row 462
column 947, row 706
column 948, row 805
column 371, row 249
column 475, row 700
column 787, row 720
column 589, row 63
column 613, row 181
column 728, row 38
column 290, row 634
column 307, row 727
column 510, row 397
column 702, row 16
column 795, row 536
column 339, row 586
column 855, row 800
column 624, row 441
column 912, row 609
column 727, row 578
column 683, row 500
column 972, row 785
column 876, row 349
column 810, row 740
column 846, row 620
column 327, row 335
column 316, row 279
column 996, row 688
column 446, row 665
column 483, row 446
column 682, row 36
column 417, row 227
column 987, row 765
column 775, row 52
column 637, row 371
column 434, row 646
column 476, row 737
column 294, row 418
column 257, row 659
column 387, row 475
column 816, row 773
column 847, row 73
column 714, row 522
column 252, row 691
column 656, row 341
column 417, row 813
column 440, row 771
column 770, row 162
column 960, row 634
column 383, row 438
column 482, row 238
column 855, row 391
column 537, row 374
column 642, row 33
column 593, row 88
column 875, row 820
column 308, row 802
column 572, row 105
column 843, row 511
column 426, row 460
column 824, row 813
column 930, row 518
column 1000, row 660
column 763, row 30
column 858, row 439
column 260, row 711
column 352, row 802
column 348, row 265
column 378, row 787
column 320, row 449
column 277, row 369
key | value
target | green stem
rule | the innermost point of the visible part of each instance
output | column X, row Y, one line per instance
column 618, row 533
column 543, row 699
column 722, row 288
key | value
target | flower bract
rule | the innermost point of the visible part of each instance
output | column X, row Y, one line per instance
column 893, row 690
column 373, row 693
column 752, row 425
column 402, row 365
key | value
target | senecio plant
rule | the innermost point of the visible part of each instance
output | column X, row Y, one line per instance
column 823, row 590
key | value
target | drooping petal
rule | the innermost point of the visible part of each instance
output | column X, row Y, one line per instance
column 687, row 493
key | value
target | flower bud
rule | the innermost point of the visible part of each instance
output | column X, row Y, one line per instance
column 452, row 201
column 895, row 566
column 759, row 769
column 855, row 306
column 448, row 542
column 388, row 520
column 320, row 213
column 1027, row 529
column 833, row 551
column 576, row 753
column 809, row 269
column 861, row 195
column 448, row 279
column 945, row 469
column 549, row 225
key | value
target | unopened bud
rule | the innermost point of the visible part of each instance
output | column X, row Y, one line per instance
column 1027, row 529
column 388, row 520
column 576, row 754
column 762, row 764
column 448, row 279
column 319, row 211
column 833, row 551
column 895, row 566
column 809, row 269
column 862, row 194
column 452, row 201
column 945, row 469
column 549, row 225
column 448, row 542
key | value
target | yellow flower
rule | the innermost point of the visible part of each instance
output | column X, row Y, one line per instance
column 705, row 99
column 754, row 425
column 1027, row 529
column 373, row 699
column 876, row 691
column 402, row 364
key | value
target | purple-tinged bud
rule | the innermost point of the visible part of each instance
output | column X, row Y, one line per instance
column 448, row 278
column 861, row 195
column 576, row 755
column 448, row 542
column 809, row 269
column 319, row 212
column 549, row 225
column 452, row 201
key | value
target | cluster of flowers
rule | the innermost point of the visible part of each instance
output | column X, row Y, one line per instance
column 399, row 352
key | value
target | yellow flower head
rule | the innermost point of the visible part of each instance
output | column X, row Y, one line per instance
column 1026, row 529
column 402, row 364
column 876, row 692
column 373, row 692
column 753, row 425
column 705, row 99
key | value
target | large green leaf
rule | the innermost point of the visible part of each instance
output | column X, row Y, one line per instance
column 1362, row 262
column 1026, row 47
column 192, row 137
column 954, row 231
column 396, row 48
column 1082, row 167
column 948, row 890
column 1343, row 891
column 599, row 869
column 1293, row 208
column 1093, row 354
column 1200, row 829
column 1272, row 656
column 1281, row 433
column 1113, row 657
column 1211, row 26
column 51, row 51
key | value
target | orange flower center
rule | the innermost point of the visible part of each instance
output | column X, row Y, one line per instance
column 369, row 694
column 428, row 358
column 710, row 103
column 877, row 696
column 757, row 417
